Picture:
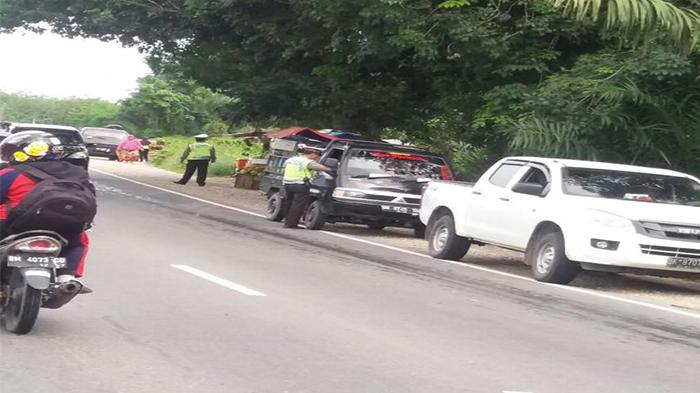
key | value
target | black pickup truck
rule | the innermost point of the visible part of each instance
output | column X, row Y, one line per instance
column 376, row 184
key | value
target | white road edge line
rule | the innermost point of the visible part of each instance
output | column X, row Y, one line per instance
column 589, row 292
column 218, row 280
column 563, row 287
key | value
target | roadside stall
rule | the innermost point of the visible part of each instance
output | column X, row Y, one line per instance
column 249, row 175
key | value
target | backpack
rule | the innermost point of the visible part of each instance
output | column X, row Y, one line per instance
column 63, row 200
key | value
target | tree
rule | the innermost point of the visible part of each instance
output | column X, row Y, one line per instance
column 173, row 105
column 475, row 78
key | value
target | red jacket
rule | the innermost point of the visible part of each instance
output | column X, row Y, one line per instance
column 14, row 186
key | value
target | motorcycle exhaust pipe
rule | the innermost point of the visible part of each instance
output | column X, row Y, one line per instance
column 69, row 288
column 62, row 294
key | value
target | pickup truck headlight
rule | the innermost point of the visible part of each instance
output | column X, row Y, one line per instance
column 608, row 221
column 80, row 155
column 339, row 193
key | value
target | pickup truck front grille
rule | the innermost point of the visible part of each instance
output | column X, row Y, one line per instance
column 381, row 197
column 669, row 251
column 671, row 231
column 390, row 198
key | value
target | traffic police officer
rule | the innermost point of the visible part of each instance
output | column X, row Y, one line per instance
column 198, row 156
column 298, row 172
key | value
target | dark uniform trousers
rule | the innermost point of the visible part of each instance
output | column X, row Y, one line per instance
column 201, row 166
column 296, row 198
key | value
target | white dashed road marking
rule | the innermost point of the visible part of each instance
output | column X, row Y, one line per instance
column 218, row 280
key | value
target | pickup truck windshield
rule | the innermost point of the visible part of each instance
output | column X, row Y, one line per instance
column 376, row 164
column 631, row 186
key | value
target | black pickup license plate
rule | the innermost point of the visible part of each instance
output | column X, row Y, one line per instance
column 685, row 263
column 400, row 209
column 36, row 261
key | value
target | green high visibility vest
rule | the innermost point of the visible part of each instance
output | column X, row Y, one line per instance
column 296, row 170
column 200, row 151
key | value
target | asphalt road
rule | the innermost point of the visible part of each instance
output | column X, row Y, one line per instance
column 191, row 297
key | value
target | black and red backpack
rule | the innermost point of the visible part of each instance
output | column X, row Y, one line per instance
column 64, row 200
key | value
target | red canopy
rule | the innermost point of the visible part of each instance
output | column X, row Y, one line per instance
column 300, row 131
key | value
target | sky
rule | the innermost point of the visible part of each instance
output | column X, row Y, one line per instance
column 50, row 65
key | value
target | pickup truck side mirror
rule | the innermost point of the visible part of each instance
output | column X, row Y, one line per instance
column 331, row 163
column 533, row 189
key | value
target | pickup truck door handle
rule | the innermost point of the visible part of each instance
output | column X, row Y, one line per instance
column 504, row 199
column 476, row 192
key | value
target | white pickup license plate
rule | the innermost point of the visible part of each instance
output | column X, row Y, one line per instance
column 36, row 261
column 685, row 263
column 400, row 209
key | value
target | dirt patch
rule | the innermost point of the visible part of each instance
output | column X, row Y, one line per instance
column 677, row 293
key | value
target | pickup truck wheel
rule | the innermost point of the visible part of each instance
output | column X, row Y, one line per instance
column 549, row 262
column 314, row 218
column 443, row 242
column 275, row 207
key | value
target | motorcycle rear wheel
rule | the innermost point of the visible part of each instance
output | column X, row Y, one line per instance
column 23, row 307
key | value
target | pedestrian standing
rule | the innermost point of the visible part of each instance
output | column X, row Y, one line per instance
column 198, row 156
column 128, row 150
column 145, row 148
column 298, row 172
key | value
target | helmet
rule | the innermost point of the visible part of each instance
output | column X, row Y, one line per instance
column 30, row 146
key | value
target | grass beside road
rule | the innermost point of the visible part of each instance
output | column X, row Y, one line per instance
column 228, row 150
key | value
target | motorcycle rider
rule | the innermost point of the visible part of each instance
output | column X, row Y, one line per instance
column 43, row 151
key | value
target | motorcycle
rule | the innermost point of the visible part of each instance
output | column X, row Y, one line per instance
column 28, row 263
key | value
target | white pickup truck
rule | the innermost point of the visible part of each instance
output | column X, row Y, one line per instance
column 567, row 215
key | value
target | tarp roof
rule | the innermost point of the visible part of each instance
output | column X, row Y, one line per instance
column 300, row 132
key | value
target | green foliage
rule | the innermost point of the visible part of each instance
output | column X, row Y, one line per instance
column 636, row 107
column 71, row 111
column 454, row 3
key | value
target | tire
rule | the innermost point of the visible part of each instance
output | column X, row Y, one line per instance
column 443, row 242
column 314, row 217
column 22, row 309
column 275, row 207
column 547, row 258
column 376, row 226
column 419, row 231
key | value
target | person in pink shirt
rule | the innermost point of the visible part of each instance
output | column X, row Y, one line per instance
column 128, row 150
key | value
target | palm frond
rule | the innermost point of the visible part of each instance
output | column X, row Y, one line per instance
column 637, row 18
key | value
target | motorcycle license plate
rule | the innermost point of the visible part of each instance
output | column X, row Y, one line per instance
column 400, row 209
column 36, row 261
column 685, row 263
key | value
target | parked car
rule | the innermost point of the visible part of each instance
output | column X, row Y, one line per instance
column 566, row 215
column 103, row 142
column 74, row 147
column 377, row 184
